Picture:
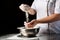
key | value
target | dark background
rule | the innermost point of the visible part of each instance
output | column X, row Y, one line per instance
column 12, row 17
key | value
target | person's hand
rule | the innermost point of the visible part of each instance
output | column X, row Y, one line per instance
column 30, row 24
column 24, row 7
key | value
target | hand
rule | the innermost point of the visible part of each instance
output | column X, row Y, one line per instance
column 30, row 24
column 24, row 7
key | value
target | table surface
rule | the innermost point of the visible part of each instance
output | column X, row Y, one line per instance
column 41, row 37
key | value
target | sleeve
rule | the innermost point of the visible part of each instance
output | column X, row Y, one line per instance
column 33, row 4
column 57, row 7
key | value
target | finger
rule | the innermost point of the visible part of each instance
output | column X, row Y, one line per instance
column 30, row 26
column 21, row 6
column 31, row 22
column 24, row 22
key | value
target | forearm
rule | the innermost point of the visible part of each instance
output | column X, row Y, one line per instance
column 31, row 11
column 49, row 19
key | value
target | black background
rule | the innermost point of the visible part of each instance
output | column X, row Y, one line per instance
column 12, row 17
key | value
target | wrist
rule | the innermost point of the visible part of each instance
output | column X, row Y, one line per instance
column 28, row 9
column 37, row 21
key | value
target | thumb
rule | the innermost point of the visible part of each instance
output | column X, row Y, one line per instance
column 32, row 22
column 24, row 22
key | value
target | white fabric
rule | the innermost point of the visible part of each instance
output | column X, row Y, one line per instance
column 55, row 26
column 57, row 7
column 41, row 7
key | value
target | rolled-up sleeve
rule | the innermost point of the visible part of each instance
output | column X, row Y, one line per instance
column 57, row 7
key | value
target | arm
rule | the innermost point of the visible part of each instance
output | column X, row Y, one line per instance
column 53, row 17
column 31, row 11
column 27, row 8
column 49, row 19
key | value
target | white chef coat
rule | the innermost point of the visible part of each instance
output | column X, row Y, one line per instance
column 41, row 8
